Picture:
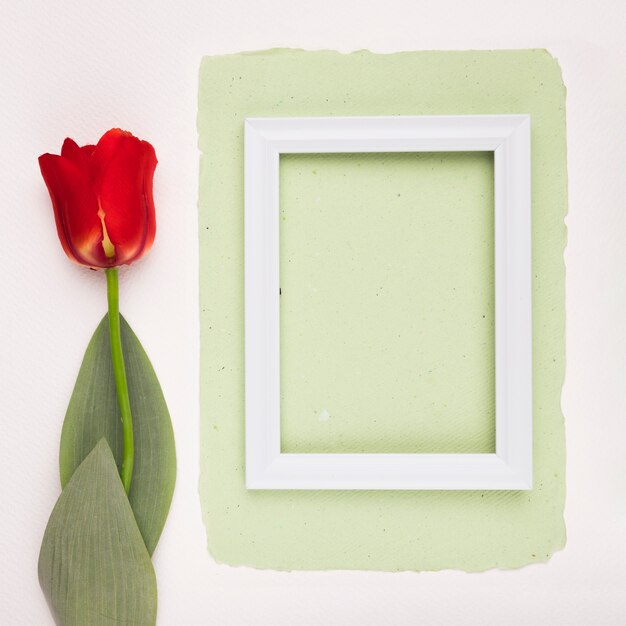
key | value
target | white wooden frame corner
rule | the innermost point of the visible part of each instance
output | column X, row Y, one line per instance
column 508, row 137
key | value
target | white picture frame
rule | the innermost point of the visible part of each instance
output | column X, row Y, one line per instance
column 508, row 137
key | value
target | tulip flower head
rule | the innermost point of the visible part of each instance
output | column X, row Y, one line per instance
column 102, row 198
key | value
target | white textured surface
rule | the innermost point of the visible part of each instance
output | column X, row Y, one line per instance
column 79, row 68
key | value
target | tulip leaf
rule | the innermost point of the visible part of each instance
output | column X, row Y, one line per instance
column 93, row 413
column 94, row 568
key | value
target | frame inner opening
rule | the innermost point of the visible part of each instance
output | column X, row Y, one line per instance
column 387, row 303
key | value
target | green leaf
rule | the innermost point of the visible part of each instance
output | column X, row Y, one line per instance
column 93, row 566
column 93, row 413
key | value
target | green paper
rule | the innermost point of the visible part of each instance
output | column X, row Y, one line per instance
column 367, row 356
column 356, row 374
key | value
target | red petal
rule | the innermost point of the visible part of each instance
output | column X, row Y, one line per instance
column 76, row 155
column 88, row 149
column 106, row 149
column 125, row 194
column 75, row 210
column 149, row 165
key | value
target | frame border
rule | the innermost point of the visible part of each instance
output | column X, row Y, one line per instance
column 508, row 137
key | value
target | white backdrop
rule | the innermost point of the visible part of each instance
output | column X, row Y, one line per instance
column 80, row 67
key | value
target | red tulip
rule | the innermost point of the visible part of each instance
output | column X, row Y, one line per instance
column 102, row 198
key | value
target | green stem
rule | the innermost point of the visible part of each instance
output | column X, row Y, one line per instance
column 119, row 372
